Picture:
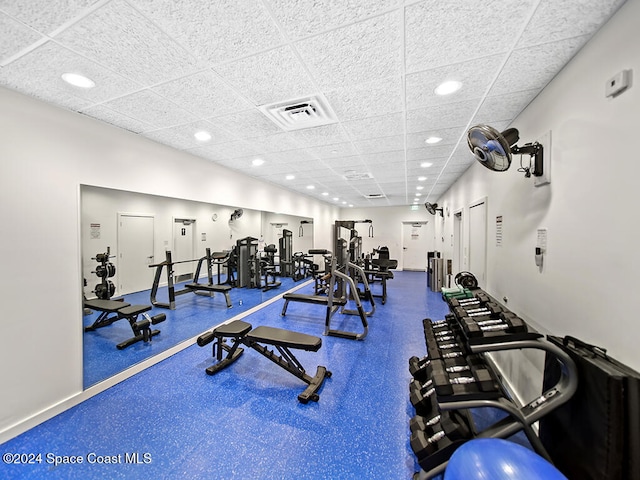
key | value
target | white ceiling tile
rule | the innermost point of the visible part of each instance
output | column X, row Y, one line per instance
column 384, row 158
column 151, row 108
column 247, row 124
column 334, row 150
column 475, row 76
column 45, row 15
column 372, row 127
column 278, row 142
column 272, row 76
column 215, row 31
column 555, row 20
column 182, row 136
column 440, row 116
column 237, row 149
column 533, row 67
column 120, row 38
column 442, row 33
column 429, row 152
column 15, row 37
column 502, row 108
column 383, row 144
column 449, row 136
column 369, row 99
column 320, row 136
column 210, row 152
column 39, row 73
column 356, row 53
column 302, row 18
column 112, row 117
column 203, row 94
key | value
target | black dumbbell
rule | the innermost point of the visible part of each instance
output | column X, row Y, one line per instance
column 424, row 401
column 452, row 427
column 481, row 378
column 507, row 323
column 480, row 298
column 420, row 423
column 487, row 309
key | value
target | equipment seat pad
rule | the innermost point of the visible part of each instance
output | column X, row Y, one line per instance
column 237, row 328
column 315, row 299
column 106, row 305
column 208, row 288
column 285, row 338
column 134, row 310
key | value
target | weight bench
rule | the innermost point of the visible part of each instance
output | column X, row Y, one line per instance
column 200, row 288
column 239, row 332
column 114, row 310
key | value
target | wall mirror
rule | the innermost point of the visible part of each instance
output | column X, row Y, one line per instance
column 126, row 235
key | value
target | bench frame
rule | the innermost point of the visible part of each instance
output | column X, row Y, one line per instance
column 239, row 332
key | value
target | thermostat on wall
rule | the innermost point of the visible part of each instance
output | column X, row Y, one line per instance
column 618, row 83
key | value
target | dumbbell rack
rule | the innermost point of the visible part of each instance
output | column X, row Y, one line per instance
column 460, row 347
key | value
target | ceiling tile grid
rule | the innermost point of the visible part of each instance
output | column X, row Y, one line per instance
column 166, row 70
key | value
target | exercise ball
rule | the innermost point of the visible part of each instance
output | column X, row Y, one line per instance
column 497, row 459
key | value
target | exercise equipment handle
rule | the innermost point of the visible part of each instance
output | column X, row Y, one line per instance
column 319, row 251
column 161, row 317
column 205, row 339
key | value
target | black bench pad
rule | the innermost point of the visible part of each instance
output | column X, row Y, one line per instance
column 315, row 299
column 133, row 310
column 106, row 305
column 208, row 288
column 285, row 338
column 237, row 328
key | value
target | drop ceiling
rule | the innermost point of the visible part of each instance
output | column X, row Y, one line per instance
column 166, row 70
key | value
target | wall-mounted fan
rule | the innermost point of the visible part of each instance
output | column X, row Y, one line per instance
column 494, row 149
column 432, row 208
column 237, row 213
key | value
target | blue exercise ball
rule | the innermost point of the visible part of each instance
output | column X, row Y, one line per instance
column 497, row 459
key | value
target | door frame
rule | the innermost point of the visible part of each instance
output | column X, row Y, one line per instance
column 480, row 201
column 423, row 223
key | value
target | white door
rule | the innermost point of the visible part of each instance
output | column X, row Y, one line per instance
column 478, row 241
column 183, row 248
column 135, row 253
column 414, row 246
column 458, row 257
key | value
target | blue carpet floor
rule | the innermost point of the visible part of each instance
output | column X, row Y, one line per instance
column 174, row 421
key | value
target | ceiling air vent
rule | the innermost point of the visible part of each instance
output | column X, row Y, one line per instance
column 354, row 175
column 374, row 196
column 305, row 112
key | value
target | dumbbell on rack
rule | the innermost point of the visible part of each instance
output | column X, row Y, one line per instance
column 477, row 380
column 478, row 299
column 484, row 312
column 508, row 322
column 436, row 443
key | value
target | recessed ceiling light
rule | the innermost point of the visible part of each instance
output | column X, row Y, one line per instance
column 202, row 136
column 419, row 187
column 422, row 179
column 418, row 195
column 257, row 162
column 310, row 187
column 335, row 199
column 351, row 205
column 78, row 80
column 344, row 203
column 290, row 177
column 432, row 140
column 426, row 164
column 448, row 87
column 324, row 194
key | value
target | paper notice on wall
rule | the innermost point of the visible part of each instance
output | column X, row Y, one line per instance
column 94, row 233
column 499, row 231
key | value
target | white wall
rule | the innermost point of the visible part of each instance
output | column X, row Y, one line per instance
column 45, row 155
column 590, row 272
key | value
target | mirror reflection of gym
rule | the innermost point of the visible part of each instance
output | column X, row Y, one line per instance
column 127, row 225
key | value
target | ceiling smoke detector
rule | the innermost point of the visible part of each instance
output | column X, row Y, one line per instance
column 300, row 113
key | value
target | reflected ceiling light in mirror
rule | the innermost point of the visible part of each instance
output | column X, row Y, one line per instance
column 335, row 199
column 78, row 80
column 426, row 164
column 325, row 194
column 422, row 179
column 202, row 136
column 290, row 177
column 432, row 140
column 419, row 187
column 448, row 87
column 310, row 187
column 257, row 162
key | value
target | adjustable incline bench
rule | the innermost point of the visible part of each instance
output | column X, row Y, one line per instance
column 239, row 332
column 113, row 310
